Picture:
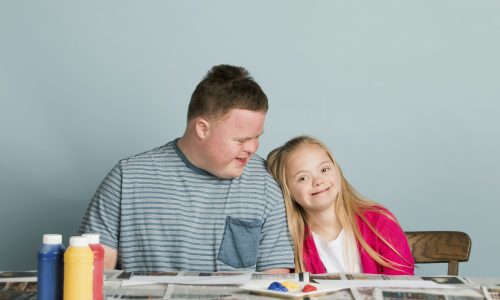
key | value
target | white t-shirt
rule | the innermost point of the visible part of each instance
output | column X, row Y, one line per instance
column 333, row 256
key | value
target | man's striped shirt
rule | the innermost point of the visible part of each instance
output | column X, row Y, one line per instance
column 164, row 214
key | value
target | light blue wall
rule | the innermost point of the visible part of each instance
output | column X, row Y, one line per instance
column 405, row 93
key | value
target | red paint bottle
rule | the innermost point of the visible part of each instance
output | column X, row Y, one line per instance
column 98, row 251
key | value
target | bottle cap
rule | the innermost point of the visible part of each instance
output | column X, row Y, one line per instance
column 92, row 237
column 52, row 239
column 78, row 241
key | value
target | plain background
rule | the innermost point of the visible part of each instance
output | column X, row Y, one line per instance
column 406, row 94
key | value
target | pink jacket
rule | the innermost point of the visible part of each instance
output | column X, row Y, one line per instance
column 387, row 228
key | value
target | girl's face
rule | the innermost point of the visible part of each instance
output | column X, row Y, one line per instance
column 312, row 178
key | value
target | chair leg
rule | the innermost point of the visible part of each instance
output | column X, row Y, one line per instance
column 453, row 268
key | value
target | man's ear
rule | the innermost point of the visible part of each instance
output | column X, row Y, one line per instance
column 202, row 128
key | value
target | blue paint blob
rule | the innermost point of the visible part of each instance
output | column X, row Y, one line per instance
column 278, row 287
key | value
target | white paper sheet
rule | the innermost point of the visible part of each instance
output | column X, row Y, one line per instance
column 18, row 279
column 18, row 276
column 383, row 283
column 236, row 279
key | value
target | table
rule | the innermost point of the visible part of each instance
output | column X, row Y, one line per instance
column 464, row 288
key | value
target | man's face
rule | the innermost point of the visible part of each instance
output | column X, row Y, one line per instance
column 231, row 141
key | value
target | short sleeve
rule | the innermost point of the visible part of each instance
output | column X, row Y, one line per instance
column 275, row 250
column 103, row 213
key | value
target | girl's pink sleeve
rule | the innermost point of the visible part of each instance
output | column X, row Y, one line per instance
column 400, row 253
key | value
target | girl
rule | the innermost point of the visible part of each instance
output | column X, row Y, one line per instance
column 333, row 227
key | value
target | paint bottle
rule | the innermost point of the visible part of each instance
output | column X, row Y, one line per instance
column 78, row 269
column 50, row 268
column 98, row 251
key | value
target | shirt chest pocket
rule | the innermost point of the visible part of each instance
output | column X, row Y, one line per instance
column 240, row 243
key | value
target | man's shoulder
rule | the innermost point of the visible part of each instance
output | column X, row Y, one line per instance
column 162, row 153
column 257, row 162
column 256, row 167
column 258, row 177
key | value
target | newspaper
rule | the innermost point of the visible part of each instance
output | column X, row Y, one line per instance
column 18, row 276
column 18, row 286
column 460, row 294
column 114, row 288
column 360, row 276
column 491, row 292
column 18, row 290
column 461, row 290
column 176, row 291
column 206, row 279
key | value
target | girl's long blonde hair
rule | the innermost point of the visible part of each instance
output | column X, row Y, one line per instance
column 349, row 205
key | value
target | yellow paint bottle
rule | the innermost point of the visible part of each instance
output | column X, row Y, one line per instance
column 78, row 270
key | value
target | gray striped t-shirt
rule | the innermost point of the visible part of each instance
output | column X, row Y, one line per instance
column 164, row 214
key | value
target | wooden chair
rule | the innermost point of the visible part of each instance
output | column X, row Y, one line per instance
column 449, row 247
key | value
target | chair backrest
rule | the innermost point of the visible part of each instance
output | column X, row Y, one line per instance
column 449, row 247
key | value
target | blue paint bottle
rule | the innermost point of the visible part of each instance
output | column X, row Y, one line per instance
column 50, row 268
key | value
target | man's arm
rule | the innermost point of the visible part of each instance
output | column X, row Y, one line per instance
column 277, row 271
column 103, row 216
column 276, row 251
column 110, row 258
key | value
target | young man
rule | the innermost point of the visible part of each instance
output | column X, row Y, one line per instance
column 203, row 202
